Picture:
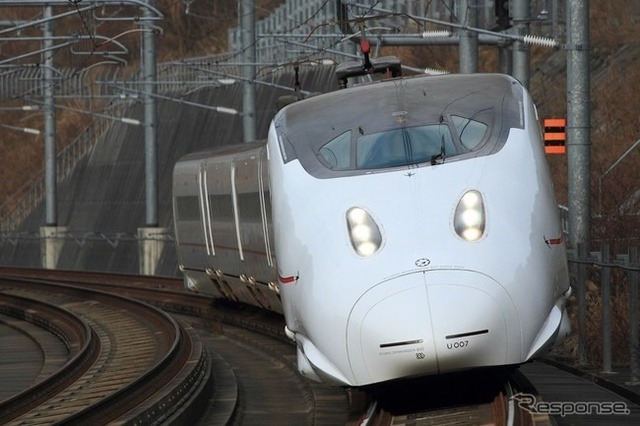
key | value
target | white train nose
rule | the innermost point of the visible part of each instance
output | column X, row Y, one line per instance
column 389, row 332
column 428, row 323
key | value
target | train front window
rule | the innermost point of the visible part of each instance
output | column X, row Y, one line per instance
column 403, row 146
column 337, row 153
column 389, row 148
column 471, row 132
column 431, row 121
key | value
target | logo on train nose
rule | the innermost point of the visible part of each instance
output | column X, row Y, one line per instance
column 422, row 262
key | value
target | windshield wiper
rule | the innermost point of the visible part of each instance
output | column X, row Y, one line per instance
column 441, row 156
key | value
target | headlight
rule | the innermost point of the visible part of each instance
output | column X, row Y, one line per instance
column 469, row 219
column 364, row 233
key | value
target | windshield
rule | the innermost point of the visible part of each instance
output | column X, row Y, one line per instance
column 426, row 121
column 399, row 147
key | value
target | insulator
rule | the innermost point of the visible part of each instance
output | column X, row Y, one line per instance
column 436, row 34
column 433, row 71
column 540, row 41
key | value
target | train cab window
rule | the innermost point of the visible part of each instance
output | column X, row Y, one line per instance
column 414, row 122
column 337, row 153
column 403, row 146
column 389, row 148
column 471, row 132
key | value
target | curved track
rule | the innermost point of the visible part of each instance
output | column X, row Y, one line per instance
column 129, row 361
column 253, row 363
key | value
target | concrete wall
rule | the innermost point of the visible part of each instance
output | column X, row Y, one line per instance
column 102, row 203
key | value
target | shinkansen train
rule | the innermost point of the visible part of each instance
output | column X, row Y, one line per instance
column 406, row 227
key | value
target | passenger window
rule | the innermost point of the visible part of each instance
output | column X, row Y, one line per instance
column 337, row 153
column 470, row 132
column 188, row 208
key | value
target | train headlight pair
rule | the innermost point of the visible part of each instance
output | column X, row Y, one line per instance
column 468, row 222
column 363, row 231
column 469, row 219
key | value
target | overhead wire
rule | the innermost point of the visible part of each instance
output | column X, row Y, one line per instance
column 304, row 57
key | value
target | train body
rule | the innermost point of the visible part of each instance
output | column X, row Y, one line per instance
column 404, row 228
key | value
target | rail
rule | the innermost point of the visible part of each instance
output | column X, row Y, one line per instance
column 171, row 363
column 239, row 339
column 82, row 343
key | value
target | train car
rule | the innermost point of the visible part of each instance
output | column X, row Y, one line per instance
column 223, row 227
column 404, row 228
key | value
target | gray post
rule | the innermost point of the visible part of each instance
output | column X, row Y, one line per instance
column 582, row 305
column 50, row 172
column 505, row 59
column 554, row 20
column 468, row 39
column 150, row 245
column 606, row 311
column 634, row 336
column 248, row 24
column 52, row 240
column 150, row 117
column 52, row 236
column 578, row 122
column 521, row 17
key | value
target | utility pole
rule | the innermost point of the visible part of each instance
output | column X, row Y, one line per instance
column 468, row 39
column 150, row 117
column 51, row 235
column 579, row 147
column 578, row 123
column 248, row 25
column 151, row 240
column 521, row 18
column 50, row 169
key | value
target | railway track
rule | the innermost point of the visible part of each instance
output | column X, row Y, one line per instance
column 253, row 365
column 127, row 361
column 469, row 398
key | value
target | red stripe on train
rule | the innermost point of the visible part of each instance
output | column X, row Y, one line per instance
column 287, row 280
column 554, row 241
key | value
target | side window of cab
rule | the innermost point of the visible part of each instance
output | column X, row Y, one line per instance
column 336, row 154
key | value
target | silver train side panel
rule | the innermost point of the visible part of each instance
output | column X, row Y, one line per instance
column 222, row 215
